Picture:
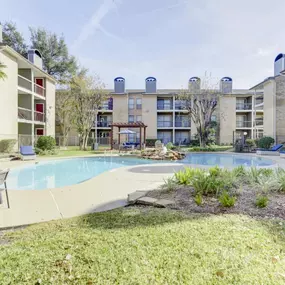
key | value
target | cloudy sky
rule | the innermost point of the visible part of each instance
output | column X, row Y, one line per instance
column 172, row 40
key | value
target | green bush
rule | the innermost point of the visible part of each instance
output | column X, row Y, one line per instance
column 280, row 177
column 6, row 146
column 150, row 142
column 250, row 142
column 169, row 146
column 45, row 143
column 211, row 148
column 261, row 201
column 198, row 199
column 187, row 176
column 227, row 200
column 265, row 142
column 169, row 185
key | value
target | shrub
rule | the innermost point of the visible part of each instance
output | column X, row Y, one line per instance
column 198, row 199
column 239, row 171
column 250, row 142
column 45, row 143
column 7, row 145
column 265, row 142
column 227, row 200
column 261, row 201
column 169, row 146
column 169, row 185
column 280, row 177
column 187, row 176
column 150, row 142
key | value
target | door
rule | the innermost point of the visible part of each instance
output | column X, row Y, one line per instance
column 39, row 114
column 40, row 107
column 39, row 86
column 40, row 132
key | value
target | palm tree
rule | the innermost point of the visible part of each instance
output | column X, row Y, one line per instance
column 2, row 73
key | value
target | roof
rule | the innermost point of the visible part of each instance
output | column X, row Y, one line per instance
column 129, row 125
column 20, row 57
column 261, row 84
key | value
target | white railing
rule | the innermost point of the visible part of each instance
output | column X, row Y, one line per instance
column 24, row 114
column 39, row 90
column 40, row 117
column 29, row 85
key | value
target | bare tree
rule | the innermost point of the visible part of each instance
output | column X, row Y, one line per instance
column 88, row 94
column 64, row 106
column 201, row 100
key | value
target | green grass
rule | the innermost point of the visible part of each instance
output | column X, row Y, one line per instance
column 212, row 148
column 146, row 246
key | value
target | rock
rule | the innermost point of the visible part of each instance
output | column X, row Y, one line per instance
column 163, row 203
column 146, row 201
column 133, row 197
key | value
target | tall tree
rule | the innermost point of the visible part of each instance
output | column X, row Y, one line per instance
column 2, row 73
column 88, row 94
column 201, row 102
column 56, row 59
column 14, row 39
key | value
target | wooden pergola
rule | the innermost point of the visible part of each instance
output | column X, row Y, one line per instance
column 138, row 125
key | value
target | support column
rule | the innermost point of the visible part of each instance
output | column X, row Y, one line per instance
column 140, row 137
column 119, row 137
column 112, row 138
column 144, row 135
column 33, row 109
column 173, row 121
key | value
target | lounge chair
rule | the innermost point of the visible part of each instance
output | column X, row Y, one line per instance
column 272, row 151
column 27, row 152
column 3, row 177
column 282, row 153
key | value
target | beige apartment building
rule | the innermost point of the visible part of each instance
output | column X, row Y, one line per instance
column 239, row 113
column 27, row 97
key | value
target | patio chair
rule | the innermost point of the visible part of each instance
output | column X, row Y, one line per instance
column 272, row 151
column 27, row 152
column 3, row 178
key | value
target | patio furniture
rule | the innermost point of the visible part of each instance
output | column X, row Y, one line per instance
column 272, row 151
column 27, row 152
column 3, row 178
column 282, row 153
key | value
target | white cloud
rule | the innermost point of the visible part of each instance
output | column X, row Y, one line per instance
column 94, row 23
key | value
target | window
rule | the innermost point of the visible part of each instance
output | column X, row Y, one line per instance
column 131, row 118
column 213, row 118
column 131, row 104
column 139, row 104
column 139, row 118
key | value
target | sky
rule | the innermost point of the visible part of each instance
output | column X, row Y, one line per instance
column 171, row 40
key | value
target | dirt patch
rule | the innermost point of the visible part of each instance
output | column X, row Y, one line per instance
column 245, row 204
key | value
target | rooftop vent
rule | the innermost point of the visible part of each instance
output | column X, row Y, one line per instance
column 119, row 85
column 279, row 64
column 150, row 85
column 226, row 85
column 35, row 57
column 194, row 84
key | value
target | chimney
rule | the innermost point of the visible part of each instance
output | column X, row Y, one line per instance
column 1, row 34
column 226, row 85
column 119, row 85
column 150, row 85
column 194, row 85
column 279, row 64
column 35, row 57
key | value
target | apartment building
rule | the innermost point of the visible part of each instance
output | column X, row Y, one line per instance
column 239, row 112
column 27, row 97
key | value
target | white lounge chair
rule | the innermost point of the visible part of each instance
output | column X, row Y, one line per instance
column 272, row 151
column 3, row 178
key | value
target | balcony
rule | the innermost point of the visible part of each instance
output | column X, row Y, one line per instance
column 164, row 124
column 27, row 84
column 244, row 106
column 259, row 122
column 39, row 117
column 243, row 124
column 164, row 106
column 183, row 123
column 104, row 124
column 107, row 105
column 182, row 105
column 24, row 114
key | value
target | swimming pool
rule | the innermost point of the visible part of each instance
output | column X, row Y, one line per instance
column 64, row 172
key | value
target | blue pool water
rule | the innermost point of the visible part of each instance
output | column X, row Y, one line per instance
column 64, row 172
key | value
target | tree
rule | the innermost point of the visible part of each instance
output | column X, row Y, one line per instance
column 56, row 59
column 64, row 104
column 88, row 94
column 201, row 104
column 14, row 39
column 2, row 73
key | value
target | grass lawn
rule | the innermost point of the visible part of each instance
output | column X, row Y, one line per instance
column 211, row 148
column 146, row 246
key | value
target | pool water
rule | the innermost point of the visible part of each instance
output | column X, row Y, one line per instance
column 64, row 172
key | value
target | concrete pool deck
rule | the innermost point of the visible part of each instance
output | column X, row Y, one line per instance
column 106, row 191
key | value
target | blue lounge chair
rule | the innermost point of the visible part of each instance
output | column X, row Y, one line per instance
column 272, row 151
column 27, row 152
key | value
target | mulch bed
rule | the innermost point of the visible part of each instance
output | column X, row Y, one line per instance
column 245, row 204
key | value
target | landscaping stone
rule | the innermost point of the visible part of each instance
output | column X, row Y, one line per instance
column 146, row 201
column 133, row 197
column 163, row 203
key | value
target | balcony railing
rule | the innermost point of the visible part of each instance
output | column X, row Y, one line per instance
column 164, row 124
column 107, row 105
column 258, row 102
column 24, row 114
column 182, row 123
column 243, row 106
column 29, row 85
column 243, row 124
column 259, row 122
column 164, row 106
column 180, row 105
column 104, row 124
column 39, row 117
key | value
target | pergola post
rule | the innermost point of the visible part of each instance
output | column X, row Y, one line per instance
column 140, row 137
column 119, row 137
column 144, row 135
column 112, row 138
